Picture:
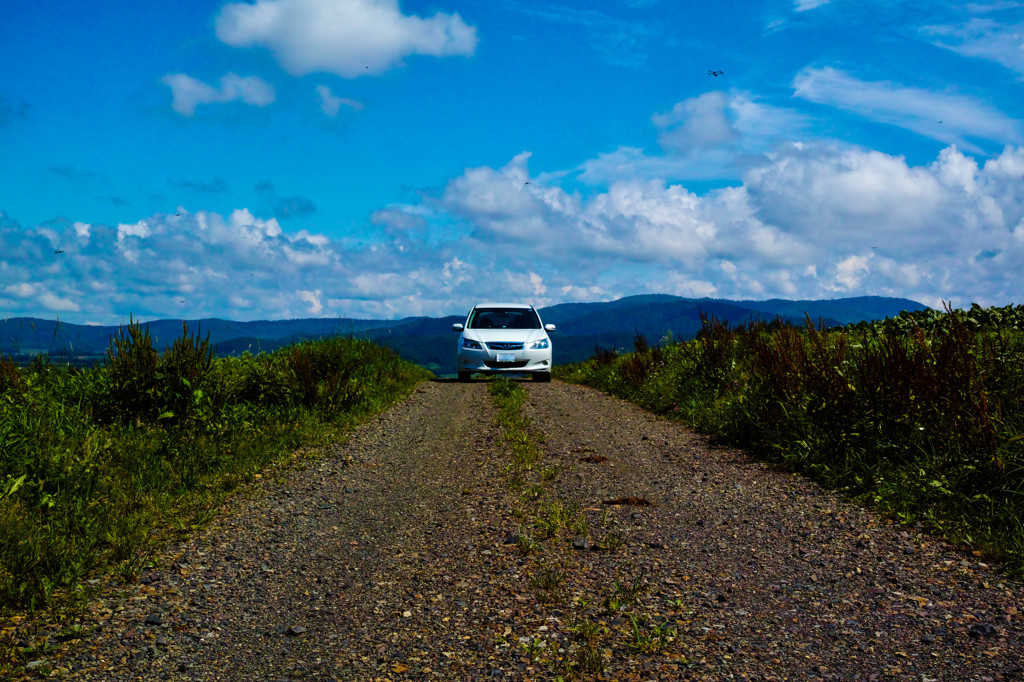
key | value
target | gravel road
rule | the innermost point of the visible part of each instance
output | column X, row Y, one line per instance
column 396, row 557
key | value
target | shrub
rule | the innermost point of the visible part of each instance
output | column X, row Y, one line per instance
column 131, row 365
column 182, row 370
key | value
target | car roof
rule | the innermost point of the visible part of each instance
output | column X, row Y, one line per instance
column 502, row 305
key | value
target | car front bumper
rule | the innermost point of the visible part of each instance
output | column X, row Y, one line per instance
column 486, row 360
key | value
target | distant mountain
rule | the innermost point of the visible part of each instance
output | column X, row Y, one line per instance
column 29, row 335
column 430, row 342
column 843, row 310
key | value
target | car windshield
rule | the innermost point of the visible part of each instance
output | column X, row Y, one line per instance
column 504, row 318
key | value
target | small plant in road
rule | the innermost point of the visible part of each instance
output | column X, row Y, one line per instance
column 649, row 639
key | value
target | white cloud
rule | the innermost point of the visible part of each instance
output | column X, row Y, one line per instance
column 849, row 273
column 984, row 39
column 946, row 117
column 539, row 289
column 809, row 221
column 846, row 193
column 20, row 290
column 238, row 266
column 188, row 93
column 313, row 299
column 804, row 5
column 58, row 304
column 331, row 104
column 139, row 229
column 346, row 37
column 712, row 136
column 697, row 122
column 734, row 119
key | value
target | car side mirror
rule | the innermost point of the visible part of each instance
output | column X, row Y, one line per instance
column 549, row 327
column 457, row 327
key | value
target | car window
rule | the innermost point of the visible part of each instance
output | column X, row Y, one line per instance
column 504, row 318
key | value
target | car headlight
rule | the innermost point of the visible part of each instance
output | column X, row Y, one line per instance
column 540, row 344
column 471, row 344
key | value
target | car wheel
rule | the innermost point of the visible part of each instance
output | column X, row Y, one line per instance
column 464, row 377
column 542, row 376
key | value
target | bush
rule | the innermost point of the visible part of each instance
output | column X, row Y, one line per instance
column 181, row 372
column 131, row 365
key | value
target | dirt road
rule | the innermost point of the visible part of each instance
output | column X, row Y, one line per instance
column 404, row 555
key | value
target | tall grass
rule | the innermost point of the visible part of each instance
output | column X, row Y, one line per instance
column 922, row 416
column 97, row 466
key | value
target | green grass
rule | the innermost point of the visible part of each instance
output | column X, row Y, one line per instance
column 545, row 515
column 100, row 467
column 554, row 566
column 921, row 416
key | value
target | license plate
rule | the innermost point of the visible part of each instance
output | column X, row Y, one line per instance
column 506, row 357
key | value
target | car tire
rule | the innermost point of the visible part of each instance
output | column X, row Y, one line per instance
column 543, row 377
column 464, row 377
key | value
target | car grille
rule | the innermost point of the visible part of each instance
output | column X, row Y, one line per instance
column 502, row 345
column 506, row 365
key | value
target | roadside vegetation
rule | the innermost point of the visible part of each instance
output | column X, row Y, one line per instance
column 100, row 467
column 921, row 416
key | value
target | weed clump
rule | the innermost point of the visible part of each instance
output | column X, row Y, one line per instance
column 10, row 377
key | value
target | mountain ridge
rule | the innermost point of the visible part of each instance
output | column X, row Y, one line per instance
column 429, row 340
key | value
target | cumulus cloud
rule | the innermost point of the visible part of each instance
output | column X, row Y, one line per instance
column 947, row 117
column 349, row 38
column 697, row 122
column 734, row 119
column 236, row 265
column 331, row 105
column 313, row 299
column 846, row 193
column 810, row 221
column 188, row 93
column 849, row 273
column 711, row 136
column 645, row 223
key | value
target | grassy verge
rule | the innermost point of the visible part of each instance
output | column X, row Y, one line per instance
column 550, row 526
column 101, row 467
column 921, row 417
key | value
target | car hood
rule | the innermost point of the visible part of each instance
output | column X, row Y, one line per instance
column 510, row 335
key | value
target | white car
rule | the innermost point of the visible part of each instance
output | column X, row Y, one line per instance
column 504, row 338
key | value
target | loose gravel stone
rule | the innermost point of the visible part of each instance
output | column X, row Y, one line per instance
column 757, row 573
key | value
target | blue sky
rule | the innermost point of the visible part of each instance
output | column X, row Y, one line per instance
column 376, row 158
